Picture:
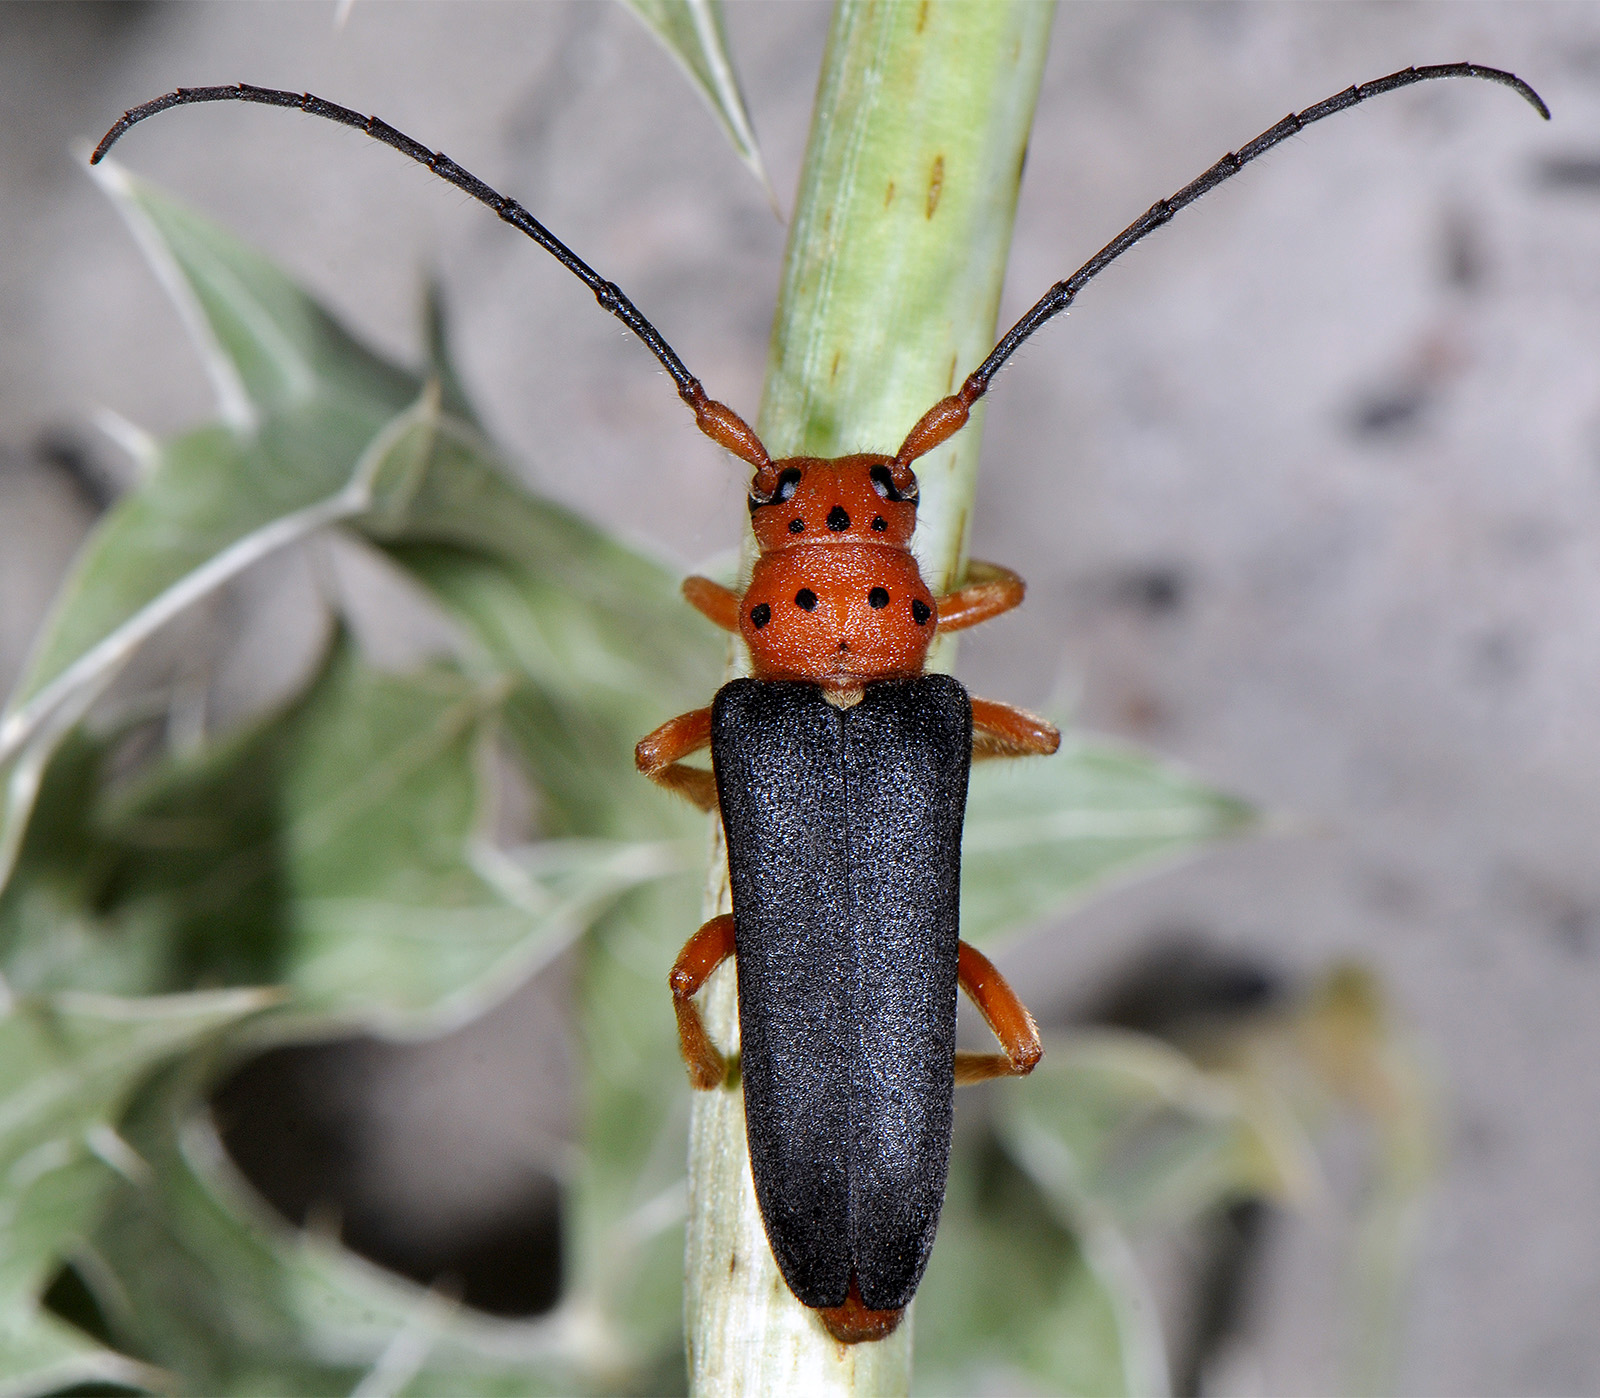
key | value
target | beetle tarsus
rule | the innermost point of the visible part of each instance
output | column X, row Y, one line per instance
column 660, row 756
column 1006, row 1016
column 983, row 1067
column 701, row 955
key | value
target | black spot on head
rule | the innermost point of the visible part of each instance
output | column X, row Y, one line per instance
column 920, row 611
column 879, row 524
column 878, row 597
column 805, row 599
column 760, row 615
column 837, row 519
column 797, row 526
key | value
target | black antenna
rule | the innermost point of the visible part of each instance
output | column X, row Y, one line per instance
column 1063, row 293
column 608, row 294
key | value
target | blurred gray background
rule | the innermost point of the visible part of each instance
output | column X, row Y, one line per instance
column 1306, row 489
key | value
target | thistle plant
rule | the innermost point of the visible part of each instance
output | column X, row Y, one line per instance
column 170, row 910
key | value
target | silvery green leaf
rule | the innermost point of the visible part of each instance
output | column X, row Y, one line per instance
column 337, row 850
column 68, row 1065
column 194, row 1272
column 214, row 506
column 1019, row 1298
column 41, row 1354
column 692, row 32
column 1148, row 1134
column 268, row 347
column 1041, row 832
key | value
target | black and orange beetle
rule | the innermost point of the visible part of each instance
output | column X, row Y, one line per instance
column 840, row 772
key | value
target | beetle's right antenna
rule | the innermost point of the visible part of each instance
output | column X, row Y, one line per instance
column 716, row 420
column 949, row 415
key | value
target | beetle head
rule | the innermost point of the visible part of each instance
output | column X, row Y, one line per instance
column 851, row 500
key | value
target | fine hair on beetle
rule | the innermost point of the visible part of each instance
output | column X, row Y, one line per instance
column 845, row 888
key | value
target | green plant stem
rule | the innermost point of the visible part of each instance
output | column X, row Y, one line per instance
column 891, row 285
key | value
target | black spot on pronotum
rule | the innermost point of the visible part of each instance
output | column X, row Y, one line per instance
column 878, row 597
column 920, row 611
column 805, row 599
column 879, row 524
column 797, row 526
column 760, row 615
column 837, row 519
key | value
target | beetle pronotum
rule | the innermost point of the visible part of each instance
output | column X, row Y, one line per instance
column 840, row 771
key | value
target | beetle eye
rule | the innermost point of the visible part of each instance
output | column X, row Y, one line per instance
column 883, row 483
column 784, row 490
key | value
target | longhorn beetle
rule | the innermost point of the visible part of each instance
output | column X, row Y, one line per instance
column 840, row 771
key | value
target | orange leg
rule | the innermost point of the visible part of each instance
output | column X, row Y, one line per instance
column 701, row 955
column 713, row 601
column 1006, row 1015
column 999, row 730
column 989, row 591
column 660, row 757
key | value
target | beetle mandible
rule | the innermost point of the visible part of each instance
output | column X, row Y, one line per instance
column 840, row 772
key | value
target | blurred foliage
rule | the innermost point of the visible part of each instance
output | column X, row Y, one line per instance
column 331, row 865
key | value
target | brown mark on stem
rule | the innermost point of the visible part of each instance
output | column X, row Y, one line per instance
column 935, row 184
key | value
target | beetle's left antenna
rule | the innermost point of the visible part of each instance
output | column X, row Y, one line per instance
column 949, row 415
column 716, row 420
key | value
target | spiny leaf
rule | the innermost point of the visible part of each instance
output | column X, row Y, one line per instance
column 193, row 1272
column 214, row 506
column 1043, row 831
column 40, row 1354
column 1018, row 1299
column 692, row 32
column 68, row 1065
column 270, row 348
column 337, row 850
column 1141, row 1129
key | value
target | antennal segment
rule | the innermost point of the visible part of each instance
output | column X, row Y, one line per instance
column 1063, row 293
column 714, row 419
